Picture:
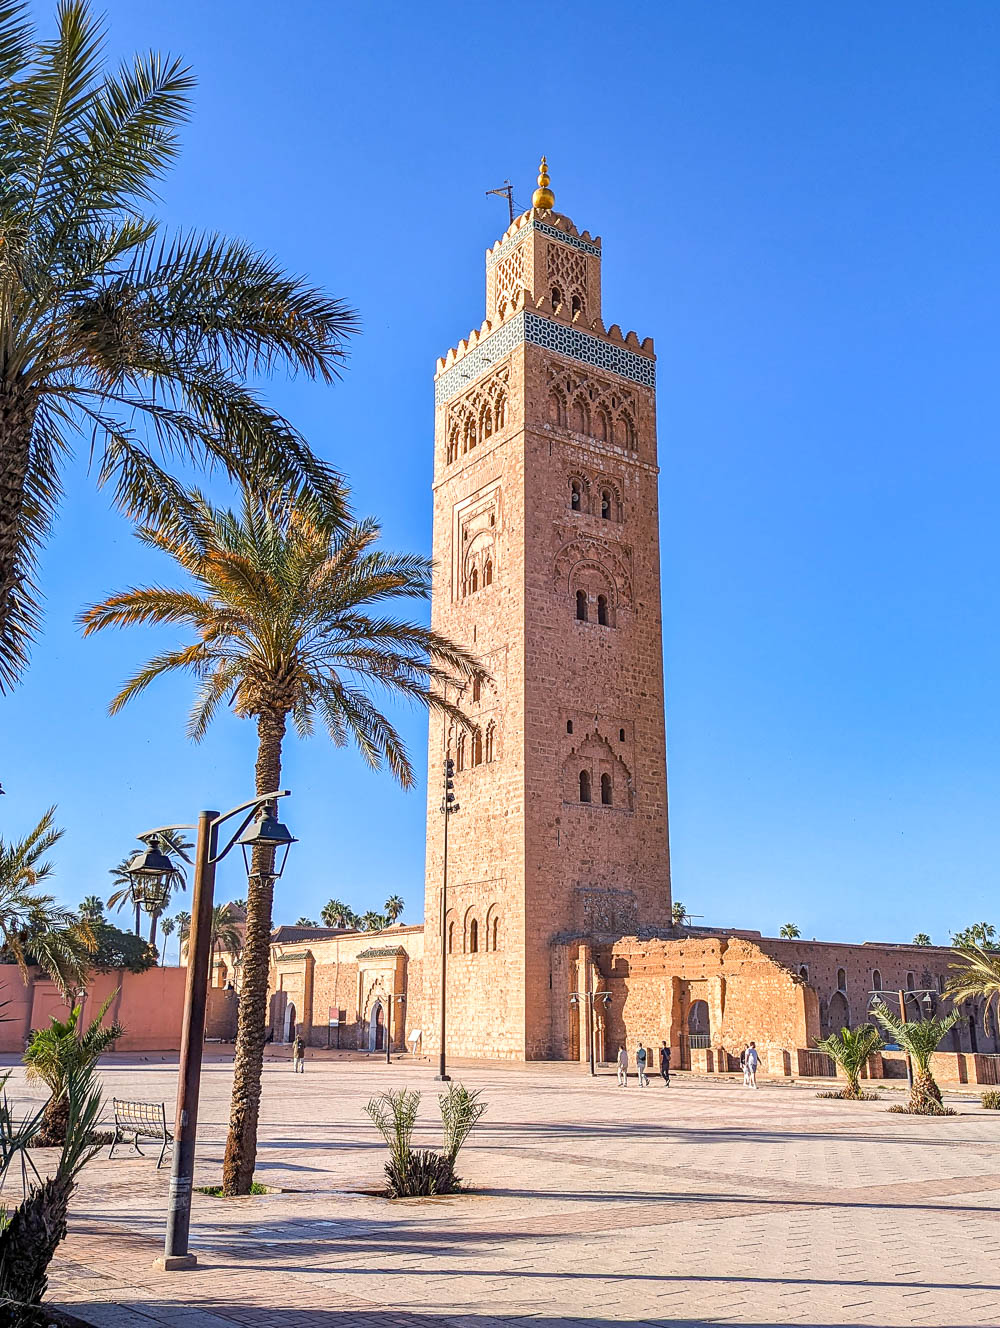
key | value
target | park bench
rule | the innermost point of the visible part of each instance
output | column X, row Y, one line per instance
column 141, row 1120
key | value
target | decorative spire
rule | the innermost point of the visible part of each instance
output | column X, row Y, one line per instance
column 543, row 197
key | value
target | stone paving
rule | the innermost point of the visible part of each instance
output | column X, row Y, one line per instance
column 703, row 1203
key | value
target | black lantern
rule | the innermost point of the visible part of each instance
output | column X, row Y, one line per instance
column 267, row 832
column 151, row 874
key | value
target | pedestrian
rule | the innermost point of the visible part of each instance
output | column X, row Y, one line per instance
column 640, row 1065
column 750, row 1067
column 665, row 1063
column 622, row 1067
column 743, row 1067
column 299, row 1056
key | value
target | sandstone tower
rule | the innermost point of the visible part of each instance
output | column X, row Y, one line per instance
column 546, row 546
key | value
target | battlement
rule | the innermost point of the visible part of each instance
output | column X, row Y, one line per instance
column 555, row 220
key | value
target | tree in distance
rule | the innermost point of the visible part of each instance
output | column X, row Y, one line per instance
column 979, row 934
column 920, row 1038
column 278, row 605
column 922, row 938
column 678, row 913
column 337, row 914
column 851, row 1049
column 305, row 922
column 393, row 908
column 789, row 931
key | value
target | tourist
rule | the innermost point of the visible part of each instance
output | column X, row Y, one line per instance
column 665, row 1063
column 750, row 1062
column 640, row 1065
column 299, row 1055
column 622, row 1067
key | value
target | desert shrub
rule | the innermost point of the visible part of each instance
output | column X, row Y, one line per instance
column 928, row 1108
column 991, row 1099
column 845, row 1095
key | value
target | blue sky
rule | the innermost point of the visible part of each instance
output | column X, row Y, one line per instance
column 798, row 202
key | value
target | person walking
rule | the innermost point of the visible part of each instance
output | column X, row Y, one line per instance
column 299, row 1056
column 640, row 1065
column 665, row 1063
column 622, row 1067
column 743, row 1067
column 750, row 1066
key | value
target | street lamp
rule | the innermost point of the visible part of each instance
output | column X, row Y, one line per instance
column 151, row 875
column 151, row 869
column 449, row 806
column 925, row 995
column 592, row 997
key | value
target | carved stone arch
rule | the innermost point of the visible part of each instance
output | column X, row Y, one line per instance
column 625, row 433
column 557, row 406
column 595, row 755
column 599, row 555
column 493, row 932
column 614, row 489
column 579, row 414
column 486, row 420
column 577, row 477
column 471, row 935
column 603, row 425
column 470, row 435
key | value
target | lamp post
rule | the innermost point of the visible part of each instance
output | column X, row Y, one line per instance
column 591, row 997
column 448, row 808
column 151, row 872
column 391, row 1001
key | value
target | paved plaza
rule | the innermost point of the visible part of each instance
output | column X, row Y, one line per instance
column 701, row 1203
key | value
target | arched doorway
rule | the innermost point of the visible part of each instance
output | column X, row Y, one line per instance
column 698, row 1026
column 289, row 1022
column 376, row 1028
column 838, row 1014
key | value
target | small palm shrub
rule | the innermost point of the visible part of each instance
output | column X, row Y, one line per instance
column 920, row 1039
column 410, row 1172
column 991, row 1100
column 55, row 1053
column 31, row 1234
column 851, row 1048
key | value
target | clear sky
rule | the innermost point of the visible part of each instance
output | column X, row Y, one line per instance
column 799, row 203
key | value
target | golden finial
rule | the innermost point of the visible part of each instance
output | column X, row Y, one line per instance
column 543, row 197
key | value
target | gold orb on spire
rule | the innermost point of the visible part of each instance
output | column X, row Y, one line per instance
column 543, row 197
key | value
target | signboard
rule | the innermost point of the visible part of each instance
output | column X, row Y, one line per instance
column 334, row 1018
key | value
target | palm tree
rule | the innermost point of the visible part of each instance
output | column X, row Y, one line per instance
column 678, row 913
column 977, row 977
column 278, row 611
column 393, row 908
column 982, row 934
column 789, row 931
column 106, row 322
column 920, row 1039
column 172, row 841
column 851, row 1050
column 336, row 914
column 91, row 909
column 31, row 922
column 921, row 938
column 372, row 921
column 168, row 926
column 305, row 922
column 182, row 921
column 56, row 1053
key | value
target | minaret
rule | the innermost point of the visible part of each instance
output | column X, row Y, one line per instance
column 546, row 547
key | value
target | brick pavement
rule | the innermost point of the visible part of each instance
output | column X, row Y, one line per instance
column 702, row 1203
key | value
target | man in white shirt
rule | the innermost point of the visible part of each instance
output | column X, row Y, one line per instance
column 622, row 1067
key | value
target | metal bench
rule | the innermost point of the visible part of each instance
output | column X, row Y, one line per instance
column 141, row 1120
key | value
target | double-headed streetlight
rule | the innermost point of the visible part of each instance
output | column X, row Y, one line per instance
column 591, row 997
column 449, row 806
column 152, row 874
column 925, row 995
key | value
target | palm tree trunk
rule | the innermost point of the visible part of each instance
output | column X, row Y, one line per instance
column 152, row 929
column 16, row 421
column 248, row 1058
column 137, row 921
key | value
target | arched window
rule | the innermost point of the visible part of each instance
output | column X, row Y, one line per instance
column 579, row 416
column 486, row 423
column 576, row 304
column 804, row 972
column 490, row 741
column 501, row 411
column 477, row 687
column 606, row 796
column 473, row 937
column 625, row 431
column 603, row 429
column 602, row 610
column 453, row 443
column 496, row 933
column 606, row 501
column 451, row 937
column 473, row 581
column 576, row 496
column 488, row 572
column 569, row 726
column 911, row 981
column 556, row 296
column 557, row 407
column 876, row 980
column 584, row 785
column 470, row 433
column 841, row 979
column 581, row 605
column 460, row 753
column 477, row 748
